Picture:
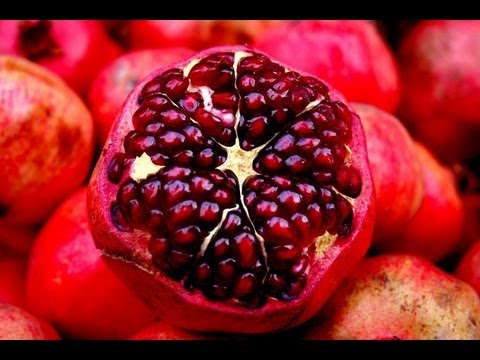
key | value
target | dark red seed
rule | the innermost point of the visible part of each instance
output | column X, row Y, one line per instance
column 314, row 213
column 308, row 191
column 173, row 118
column 136, row 211
column 278, row 229
column 159, row 159
column 203, row 74
column 271, row 162
column 184, row 157
column 157, row 102
column 205, row 158
column 256, row 126
column 252, row 64
column 150, row 191
column 275, row 282
column 283, row 253
column 307, row 145
column 190, row 102
column 179, row 259
column 282, row 182
column 226, row 271
column 295, row 289
column 296, row 164
column 155, row 219
column 290, row 199
column 116, row 167
column 254, row 103
column 119, row 219
column 224, row 197
column 300, row 266
column 280, row 116
column 246, row 84
column 221, row 248
column 219, row 292
column 225, row 100
column 201, row 186
column 232, row 223
column 244, row 250
column 175, row 86
column 155, row 128
column 301, row 224
column 245, row 285
column 348, row 181
column 193, row 135
column 266, row 209
column 181, row 213
column 143, row 116
column 325, row 195
column 203, row 273
column 126, row 193
column 187, row 236
column 323, row 177
column 303, row 128
column 159, row 247
column 285, row 145
column 209, row 212
column 175, row 191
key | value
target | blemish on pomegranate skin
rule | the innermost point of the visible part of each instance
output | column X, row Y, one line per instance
column 68, row 137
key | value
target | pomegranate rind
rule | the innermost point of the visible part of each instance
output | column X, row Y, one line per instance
column 128, row 256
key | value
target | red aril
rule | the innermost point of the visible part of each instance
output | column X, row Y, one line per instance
column 76, row 50
column 69, row 284
column 233, row 192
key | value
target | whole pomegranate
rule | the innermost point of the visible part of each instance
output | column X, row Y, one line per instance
column 469, row 267
column 351, row 55
column 163, row 331
column 400, row 297
column 436, row 228
column 69, row 284
column 441, row 86
column 76, row 50
column 233, row 193
column 12, row 280
column 16, row 239
column 17, row 324
column 396, row 171
column 114, row 83
column 46, row 142
column 471, row 224
column 194, row 34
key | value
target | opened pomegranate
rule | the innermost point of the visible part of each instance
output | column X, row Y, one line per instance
column 114, row 83
column 17, row 324
column 76, row 50
column 46, row 142
column 233, row 192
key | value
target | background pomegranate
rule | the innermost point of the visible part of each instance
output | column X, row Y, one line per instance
column 16, row 239
column 76, row 50
column 395, row 169
column 163, row 331
column 17, row 324
column 436, row 228
column 469, row 267
column 168, row 214
column 441, row 86
column 112, row 86
column 12, row 280
column 399, row 297
column 69, row 284
column 46, row 137
column 350, row 55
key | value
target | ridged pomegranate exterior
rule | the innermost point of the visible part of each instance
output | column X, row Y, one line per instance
column 127, row 252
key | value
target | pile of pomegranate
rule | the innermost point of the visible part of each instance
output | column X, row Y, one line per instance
column 222, row 179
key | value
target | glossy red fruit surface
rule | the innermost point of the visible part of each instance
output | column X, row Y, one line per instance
column 233, row 193
column 349, row 54
column 46, row 137
column 76, row 50
column 113, row 84
column 441, row 86
column 69, row 284
column 469, row 267
column 399, row 297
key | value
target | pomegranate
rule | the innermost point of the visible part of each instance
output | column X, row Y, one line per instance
column 70, row 285
column 469, row 267
column 400, row 297
column 194, row 34
column 351, row 55
column 76, row 50
column 163, row 331
column 17, row 324
column 436, row 228
column 233, row 193
column 12, row 280
column 16, row 239
column 471, row 224
column 115, row 82
column 46, row 138
column 441, row 86
column 396, row 171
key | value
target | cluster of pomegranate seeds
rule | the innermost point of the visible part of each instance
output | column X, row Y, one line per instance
column 244, row 232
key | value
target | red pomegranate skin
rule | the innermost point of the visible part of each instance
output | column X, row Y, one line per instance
column 402, row 297
column 471, row 223
column 17, row 239
column 441, row 86
column 113, row 84
column 163, row 331
column 468, row 269
column 46, row 137
column 128, row 255
column 349, row 54
column 436, row 228
column 17, row 324
column 69, row 284
column 396, row 171
column 194, row 34
column 76, row 50
column 12, row 280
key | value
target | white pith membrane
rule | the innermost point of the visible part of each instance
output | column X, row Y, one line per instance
column 239, row 162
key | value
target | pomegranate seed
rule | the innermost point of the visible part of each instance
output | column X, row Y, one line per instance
column 116, row 167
